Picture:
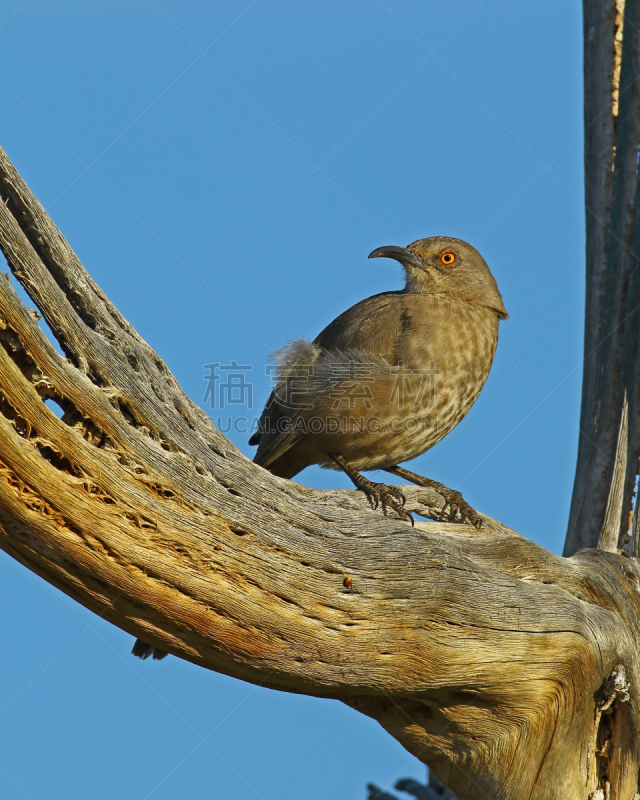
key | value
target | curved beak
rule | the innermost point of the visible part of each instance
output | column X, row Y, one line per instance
column 406, row 257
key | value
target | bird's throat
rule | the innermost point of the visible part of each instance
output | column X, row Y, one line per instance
column 419, row 281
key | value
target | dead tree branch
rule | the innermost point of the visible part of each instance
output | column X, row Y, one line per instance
column 513, row 673
column 476, row 650
column 609, row 444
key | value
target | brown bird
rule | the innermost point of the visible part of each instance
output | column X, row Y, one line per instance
column 387, row 379
column 390, row 377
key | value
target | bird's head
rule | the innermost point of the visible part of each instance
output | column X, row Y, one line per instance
column 447, row 266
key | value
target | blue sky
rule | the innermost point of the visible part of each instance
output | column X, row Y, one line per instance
column 223, row 170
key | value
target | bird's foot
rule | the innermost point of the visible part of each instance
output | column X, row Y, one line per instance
column 390, row 496
column 454, row 500
column 458, row 505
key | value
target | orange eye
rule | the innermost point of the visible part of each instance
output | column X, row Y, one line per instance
column 448, row 259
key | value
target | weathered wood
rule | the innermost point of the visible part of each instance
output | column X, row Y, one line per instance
column 512, row 672
column 631, row 388
column 608, row 445
column 612, row 394
column 485, row 655
column 599, row 21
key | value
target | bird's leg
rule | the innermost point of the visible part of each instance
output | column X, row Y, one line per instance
column 454, row 499
column 377, row 492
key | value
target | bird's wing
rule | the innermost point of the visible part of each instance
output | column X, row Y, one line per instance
column 366, row 336
column 371, row 326
column 276, row 432
column 276, row 427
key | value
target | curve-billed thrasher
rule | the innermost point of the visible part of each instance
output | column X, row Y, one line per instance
column 387, row 379
column 390, row 377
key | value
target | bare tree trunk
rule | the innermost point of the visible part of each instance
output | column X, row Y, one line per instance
column 513, row 673
column 609, row 443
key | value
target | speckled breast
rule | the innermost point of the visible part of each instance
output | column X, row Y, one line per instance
column 428, row 392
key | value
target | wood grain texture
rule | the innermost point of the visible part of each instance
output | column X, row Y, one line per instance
column 512, row 672
column 608, row 445
column 599, row 31
column 485, row 655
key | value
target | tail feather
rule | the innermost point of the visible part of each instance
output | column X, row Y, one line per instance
column 143, row 650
